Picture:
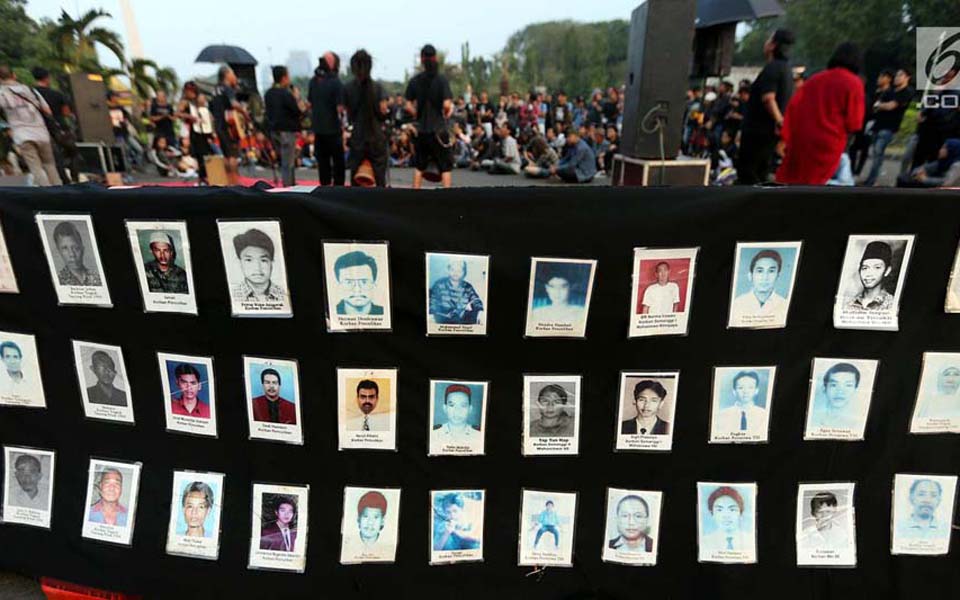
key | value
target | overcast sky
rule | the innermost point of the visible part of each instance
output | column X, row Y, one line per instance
column 174, row 31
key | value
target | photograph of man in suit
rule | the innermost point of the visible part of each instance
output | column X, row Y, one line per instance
column 270, row 407
column 648, row 397
column 633, row 515
column 281, row 533
column 356, row 274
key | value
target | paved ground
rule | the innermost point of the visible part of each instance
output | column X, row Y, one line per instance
column 15, row 587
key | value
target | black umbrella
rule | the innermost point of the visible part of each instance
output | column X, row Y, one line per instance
column 232, row 55
column 716, row 12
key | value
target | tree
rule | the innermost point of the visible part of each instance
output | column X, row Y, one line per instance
column 22, row 43
column 75, row 41
column 142, row 83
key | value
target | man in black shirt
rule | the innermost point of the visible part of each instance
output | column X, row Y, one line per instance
column 224, row 100
column 769, row 95
column 430, row 100
column 888, row 108
column 367, row 111
column 326, row 102
column 59, row 107
column 283, row 122
column 161, row 115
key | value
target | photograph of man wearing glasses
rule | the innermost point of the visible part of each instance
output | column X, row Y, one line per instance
column 356, row 274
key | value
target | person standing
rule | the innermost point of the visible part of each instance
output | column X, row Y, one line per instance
column 161, row 116
column 888, row 109
column 283, row 122
column 769, row 95
column 25, row 110
column 366, row 104
column 65, row 146
column 326, row 101
column 226, row 125
column 198, row 129
column 430, row 101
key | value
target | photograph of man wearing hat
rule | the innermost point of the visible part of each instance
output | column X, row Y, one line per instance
column 255, row 250
column 371, row 516
column 875, row 266
column 163, row 275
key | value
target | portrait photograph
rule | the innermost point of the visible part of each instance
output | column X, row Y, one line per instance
column 727, row 522
column 74, row 259
column 196, row 504
column 104, row 387
column 457, row 415
column 937, row 408
column 632, row 528
column 189, row 396
column 273, row 399
column 278, row 537
column 28, row 488
column 952, row 302
column 826, row 534
column 871, row 281
column 740, row 410
column 20, row 382
column 357, row 276
column 661, row 291
column 367, row 408
column 763, row 279
column 457, row 302
column 840, row 394
column 551, row 414
column 161, row 256
column 647, row 403
column 370, row 527
column 559, row 297
column 256, row 269
column 923, row 509
column 456, row 533
column 547, row 525
column 8, row 279
column 111, row 503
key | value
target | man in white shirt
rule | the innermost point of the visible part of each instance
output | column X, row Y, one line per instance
column 842, row 409
column 31, row 489
column 744, row 416
column 509, row 162
column 24, row 109
column 662, row 297
column 827, row 533
column 12, row 377
column 457, row 404
column 762, row 300
column 368, row 395
column 925, row 497
column 726, row 507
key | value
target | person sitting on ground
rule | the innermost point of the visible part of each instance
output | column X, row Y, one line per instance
column 578, row 164
column 942, row 172
column 541, row 157
column 508, row 161
column 164, row 157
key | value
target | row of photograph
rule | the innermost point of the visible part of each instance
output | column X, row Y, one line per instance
column 839, row 399
column 727, row 515
column 358, row 295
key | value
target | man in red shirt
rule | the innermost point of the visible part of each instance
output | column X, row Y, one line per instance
column 189, row 383
column 270, row 407
column 824, row 111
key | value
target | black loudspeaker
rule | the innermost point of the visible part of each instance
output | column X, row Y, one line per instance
column 658, row 62
column 90, row 101
column 713, row 51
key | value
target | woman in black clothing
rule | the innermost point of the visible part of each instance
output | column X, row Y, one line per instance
column 367, row 111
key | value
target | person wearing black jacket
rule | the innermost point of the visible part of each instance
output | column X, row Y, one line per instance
column 283, row 122
column 367, row 111
column 64, row 155
column 430, row 100
column 326, row 103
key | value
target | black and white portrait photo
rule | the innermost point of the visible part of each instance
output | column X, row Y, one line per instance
column 28, row 488
column 20, row 383
column 256, row 268
column 161, row 256
column 871, row 281
column 74, row 259
column 358, row 285
column 104, row 386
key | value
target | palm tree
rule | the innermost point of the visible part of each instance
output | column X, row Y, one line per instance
column 75, row 41
column 142, row 83
column 167, row 79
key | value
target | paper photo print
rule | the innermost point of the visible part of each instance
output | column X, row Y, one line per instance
column 763, row 277
column 826, row 534
column 74, row 259
column 742, row 398
column 189, row 396
column 840, row 394
column 923, row 508
column 279, row 532
column 20, row 383
column 8, row 279
column 273, row 399
column 196, row 504
column 633, row 527
column 458, row 412
column 358, row 285
column 457, row 294
column 547, row 525
column 937, row 409
column 28, row 488
column 871, row 281
column 551, row 414
column 111, row 501
column 104, row 387
column 662, row 288
column 647, row 402
column 456, row 533
column 952, row 302
column 559, row 296
column 256, row 268
column 161, row 256
column 370, row 527
column 367, row 408
column 727, row 522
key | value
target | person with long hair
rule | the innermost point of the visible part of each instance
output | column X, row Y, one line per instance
column 366, row 104
column 430, row 101
column 326, row 102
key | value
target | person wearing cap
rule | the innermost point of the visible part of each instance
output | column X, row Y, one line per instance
column 762, row 299
column 457, row 405
column 371, row 516
column 104, row 392
column 430, row 101
column 255, row 251
column 875, row 266
column 726, row 507
column 163, row 275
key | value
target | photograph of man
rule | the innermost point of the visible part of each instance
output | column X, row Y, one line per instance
column 450, row 531
column 762, row 299
column 744, row 415
column 11, row 376
column 923, row 521
column 371, row 517
column 726, row 508
column 876, row 265
column 255, row 251
column 560, row 292
column 453, row 300
column 457, row 406
column 69, row 245
column 553, row 420
column 648, row 397
column 663, row 296
column 186, row 400
column 547, row 521
column 841, row 407
column 368, row 395
column 270, row 407
column 163, row 274
column 633, row 526
column 827, row 530
column 356, row 274
column 944, row 401
column 103, row 391
column 30, row 487
column 197, row 500
column 108, row 509
column 280, row 531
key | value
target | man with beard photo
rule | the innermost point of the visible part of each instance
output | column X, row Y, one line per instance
column 923, row 522
column 163, row 275
column 368, row 394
